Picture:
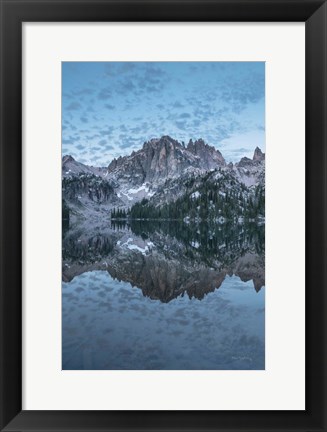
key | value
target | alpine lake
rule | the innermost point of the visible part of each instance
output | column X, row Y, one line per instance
column 163, row 295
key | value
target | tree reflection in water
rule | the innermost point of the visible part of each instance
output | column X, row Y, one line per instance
column 163, row 295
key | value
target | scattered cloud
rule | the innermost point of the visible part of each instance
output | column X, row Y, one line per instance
column 105, row 94
column 73, row 106
column 111, row 108
column 181, row 125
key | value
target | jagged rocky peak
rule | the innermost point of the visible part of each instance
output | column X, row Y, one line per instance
column 208, row 154
column 258, row 156
column 67, row 158
column 115, row 163
column 165, row 140
column 165, row 157
column 70, row 167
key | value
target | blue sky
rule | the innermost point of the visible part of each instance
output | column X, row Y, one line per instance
column 110, row 109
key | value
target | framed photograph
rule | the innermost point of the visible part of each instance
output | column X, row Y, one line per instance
column 163, row 215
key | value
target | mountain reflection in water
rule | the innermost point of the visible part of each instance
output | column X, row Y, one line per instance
column 164, row 295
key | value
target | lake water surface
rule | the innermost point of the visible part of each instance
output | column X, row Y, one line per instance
column 150, row 295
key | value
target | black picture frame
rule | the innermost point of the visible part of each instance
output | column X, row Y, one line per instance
column 13, row 14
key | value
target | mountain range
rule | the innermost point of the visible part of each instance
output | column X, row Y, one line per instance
column 163, row 172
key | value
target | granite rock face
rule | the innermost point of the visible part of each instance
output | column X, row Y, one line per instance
column 210, row 157
column 258, row 155
column 164, row 158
